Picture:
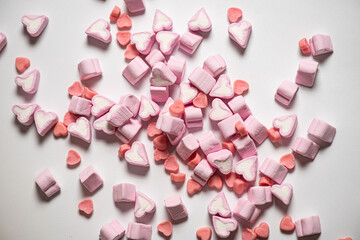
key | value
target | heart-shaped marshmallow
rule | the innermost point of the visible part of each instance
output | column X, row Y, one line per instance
column 215, row 181
column 204, row 233
column 137, row 155
column 219, row 205
column 76, row 89
column 287, row 224
column 262, row 231
column 60, row 130
column 131, row 102
column 35, row 24
column 86, row 206
column 143, row 41
column 143, row 205
column 247, row 168
column 3, row 41
column 219, row 110
column 100, row 30
column 222, row 160
column 167, row 41
column 81, row 129
column 193, row 186
column 234, row 14
column 283, row 192
column 28, row 81
column 165, row 228
column 44, row 121
column 161, row 21
column 224, row 226
column 131, row 52
column 123, row 38
column 187, row 92
column 200, row 21
column 73, row 158
column 286, row 125
column 240, row 32
column 222, row 88
column 161, row 75
column 101, row 124
column 100, row 105
column 21, row 63
column 25, row 113
column 148, row 108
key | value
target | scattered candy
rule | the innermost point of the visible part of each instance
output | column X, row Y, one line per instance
column 248, row 234
column 286, row 92
column 131, row 52
column 214, row 65
column 100, row 30
column 240, row 185
column 60, row 130
column 187, row 93
column 162, row 22
column 81, row 129
column 215, row 181
column 245, row 146
column 202, row 80
column 90, row 179
column 73, row 158
column 262, row 231
column 200, row 21
column 288, row 160
column 224, row 226
column 204, row 233
column 177, row 65
column 187, row 146
column 219, row 110
column 86, row 206
column 274, row 135
column 143, row 41
column 165, row 228
column 256, row 130
column 286, row 125
column 152, row 131
column 89, row 93
column 193, row 117
column 283, row 192
column 306, row 73
column 25, row 113
column 21, row 63
column 35, row 24
column 123, row 21
column 246, row 210
column 266, row 181
column 124, row 192
column 273, row 170
column 123, row 38
column 171, row 164
column 135, row 6
column 304, row 46
column 123, row 149
column 131, row 102
column 222, row 88
column 135, row 70
column 47, row 183
column 128, row 131
column 194, row 160
column 175, row 207
column 200, row 101
column 234, row 14
column 101, row 105
column 240, row 86
column 89, row 68
column 240, row 32
column 260, row 195
column 101, row 124
column 143, row 205
column 189, row 42
column 308, row 226
column 227, row 126
column 76, row 89
column 44, row 121
column 167, row 41
column 320, row 44
column 321, row 131
column 69, row 118
column 222, row 160
column 193, row 186
column 229, row 146
column 219, row 206
column 238, row 105
column 111, row 231
column 202, row 172
column 241, row 129
column 137, row 155
column 247, row 168
column 119, row 116
column 29, row 82
column 209, row 143
column 115, row 13
column 178, row 177
column 161, row 75
column 138, row 230
column 287, row 224
column 305, row 147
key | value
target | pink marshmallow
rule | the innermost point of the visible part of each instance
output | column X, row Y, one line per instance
column 80, row 106
column 189, row 42
column 100, row 105
column 320, row 44
column 219, row 206
column 178, row 66
column 90, row 179
column 202, row 172
column 286, row 92
column 120, row 116
column 159, row 94
column 322, row 131
column 138, row 231
column 3, row 41
column 100, row 30
column 260, row 195
column 112, row 231
column 143, row 205
column 256, row 129
column 240, row 32
column 161, row 75
column 305, row 147
column 35, row 24
column 148, row 108
column 308, row 226
column 187, row 146
column 209, row 143
column 283, row 192
column 165, row 111
column 238, row 105
column 176, row 207
column 245, row 146
column 222, row 160
column 219, row 111
column 172, row 125
column 124, row 192
column 222, row 88
column 131, row 102
column 175, row 139
column 80, row 129
column 227, row 126
column 202, row 80
column 143, row 41
column 246, row 210
column 187, row 92
column 154, row 56
column 47, row 183
column 89, row 68
column 224, row 226
column 127, row 132
column 135, row 70
column 135, row 6
column 167, row 41
column 29, row 81
column 161, row 22
column 214, row 65
column 25, row 113
column 44, row 121
column 306, row 73
column 273, row 170
column 200, row 21
column 247, row 167
column 286, row 125
column 193, row 117
column 137, row 155
column 101, row 124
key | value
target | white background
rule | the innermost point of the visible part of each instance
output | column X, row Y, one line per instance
column 328, row 186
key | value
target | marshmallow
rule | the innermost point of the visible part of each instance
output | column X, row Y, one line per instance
column 222, row 88
column 320, row 44
column 165, row 111
column 154, row 56
column 178, row 66
column 306, row 73
column 161, row 75
column 143, row 205
column 256, row 129
column 172, row 125
column 187, row 146
column 159, row 94
column 80, row 106
column 214, row 65
column 135, row 6
column 202, row 80
column 209, row 143
column 100, row 105
column 286, row 125
column 200, row 21
column 89, row 68
column 304, row 46
column 44, row 121
column 247, row 168
column 90, row 179
column 143, row 41
column 47, row 183
column 101, row 124
column 167, row 41
column 260, row 195
column 308, row 226
column 240, row 32
column 115, row 13
column 224, row 226
column 3, row 41
column 175, row 207
column 127, row 132
column 286, row 92
column 81, row 129
column 274, row 135
column 219, row 206
column 100, row 30
column 202, row 172
column 112, row 231
column 305, row 147
column 227, row 126
column 187, row 93
column 138, row 231
column 29, row 81
column 131, row 102
column 135, row 70
column 25, row 113
column 148, row 108
column 119, row 116
column 321, row 131
column 283, row 192
column 234, row 14
column 124, row 192
column 35, row 24
column 137, row 155
column 175, row 139
column 273, row 170
column 193, row 117
column 161, row 22
column 246, row 210
column 238, row 105
column 245, row 146
column 189, row 42
column 222, row 160
column 219, row 111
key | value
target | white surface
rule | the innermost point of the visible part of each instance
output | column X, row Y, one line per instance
column 328, row 186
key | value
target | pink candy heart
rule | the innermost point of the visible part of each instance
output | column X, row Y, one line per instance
column 219, row 110
column 44, row 121
column 167, row 41
column 81, row 129
column 137, row 155
column 161, row 21
column 143, row 41
column 222, row 88
column 219, row 205
column 25, row 113
column 35, row 24
column 283, row 192
column 28, row 81
column 200, row 21
column 100, row 30
column 286, row 125
column 143, row 205
column 247, row 168
column 240, row 32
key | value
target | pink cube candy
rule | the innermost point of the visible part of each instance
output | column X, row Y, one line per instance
column 320, row 44
column 286, row 92
column 90, row 179
column 308, row 226
column 135, row 70
column 178, row 66
column 246, row 210
column 135, row 6
column 187, row 146
column 321, row 131
column 189, row 42
column 154, row 56
column 260, row 195
column 131, row 102
column 159, row 94
column 273, row 170
column 306, row 73
column 175, row 139
column 227, row 126
column 138, row 231
column 176, row 207
column 238, row 105
column 124, row 192
column 47, row 183
column 214, row 65
column 129, row 130
column 245, row 146
column 3, row 41
column 202, row 80
column 89, row 68
column 193, row 117
column 172, row 125
column 120, row 116
column 202, row 172
column 161, row 75
column 305, row 147
column 209, row 143
column 256, row 129
column 80, row 106
column 112, row 231
column 165, row 111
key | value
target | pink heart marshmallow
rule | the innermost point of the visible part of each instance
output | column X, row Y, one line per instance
column 161, row 21
column 137, row 155
column 286, row 125
column 283, row 192
column 222, row 160
column 25, row 113
column 29, row 81
column 240, row 32
column 219, row 206
column 224, row 226
column 143, row 205
column 35, row 24
column 81, row 129
column 100, row 30
column 44, row 121
column 167, row 41
column 222, row 88
column 200, row 21
column 219, row 110
column 247, row 168
column 148, row 108
column 143, row 41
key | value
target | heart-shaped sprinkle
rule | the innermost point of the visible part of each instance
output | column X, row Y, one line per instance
column 143, row 41
column 73, row 158
column 137, row 155
column 200, row 101
column 262, row 231
column 22, row 63
column 161, row 21
column 25, row 113
column 81, row 129
column 247, row 168
column 193, row 187
column 100, row 105
column 248, row 234
column 148, row 108
column 131, row 52
column 161, row 75
column 76, row 89
column 171, row 164
column 165, row 228
column 115, row 13
column 101, row 124
column 224, row 226
column 123, row 38
column 86, row 206
column 100, row 30
column 283, row 192
column 187, row 92
column 240, row 86
column 219, row 110
column 123, row 149
column 219, row 205
column 200, row 21
column 152, row 131
column 177, row 107
column 266, row 181
column 286, row 125
column 89, row 93
column 230, row 179
column 35, row 24
column 222, row 160
column 124, row 21
column 178, row 177
column 44, row 121
column 215, row 181
column 287, row 224
column 28, row 81
column 240, row 32
column 204, row 233
column 222, row 88
column 160, row 142
column 240, row 186
column 234, row 14
column 167, row 41
column 69, row 118
column 288, row 160
column 143, row 205
column 60, row 130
